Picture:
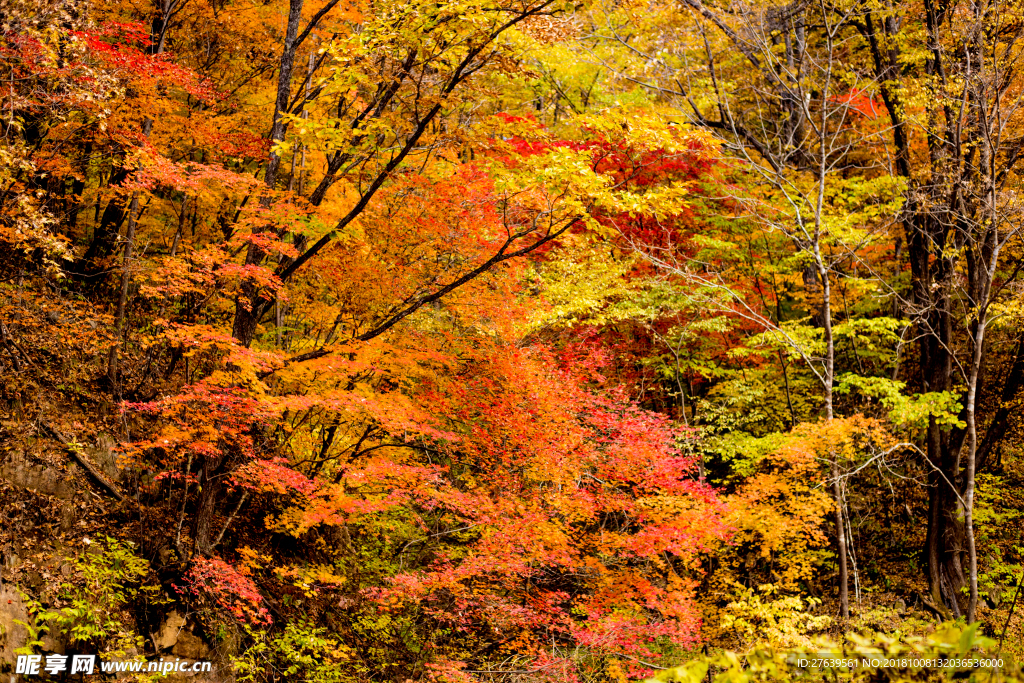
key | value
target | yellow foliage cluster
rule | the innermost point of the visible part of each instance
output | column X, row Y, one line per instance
column 783, row 531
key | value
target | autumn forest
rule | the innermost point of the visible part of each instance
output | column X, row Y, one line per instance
column 513, row 341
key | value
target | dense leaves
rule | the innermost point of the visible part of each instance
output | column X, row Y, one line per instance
column 517, row 341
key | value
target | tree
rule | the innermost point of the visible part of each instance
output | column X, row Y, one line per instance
column 958, row 217
column 399, row 75
column 792, row 123
column 822, row 75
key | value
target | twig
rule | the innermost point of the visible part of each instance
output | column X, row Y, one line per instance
column 184, row 502
column 234, row 514
column 10, row 344
column 81, row 460
column 1009, row 616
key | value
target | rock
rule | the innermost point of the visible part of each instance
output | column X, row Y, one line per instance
column 994, row 596
column 20, row 471
column 189, row 646
column 180, row 676
column 167, row 636
column 165, row 555
column 105, row 457
column 34, row 579
column 68, row 515
column 217, row 674
column 129, row 653
column 51, row 644
column 900, row 606
column 12, row 608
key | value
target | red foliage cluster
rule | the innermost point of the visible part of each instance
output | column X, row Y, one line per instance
column 123, row 48
column 562, row 495
column 211, row 578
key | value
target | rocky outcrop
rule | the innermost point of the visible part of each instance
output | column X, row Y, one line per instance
column 47, row 496
column 167, row 635
column 23, row 472
column 12, row 634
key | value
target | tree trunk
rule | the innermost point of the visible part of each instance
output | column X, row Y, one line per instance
column 210, row 474
column 247, row 307
column 830, row 368
column 122, row 301
column 841, row 551
column 945, row 540
column 104, row 237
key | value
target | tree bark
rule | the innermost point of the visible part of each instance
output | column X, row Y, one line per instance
column 104, row 237
column 247, row 308
column 210, row 473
